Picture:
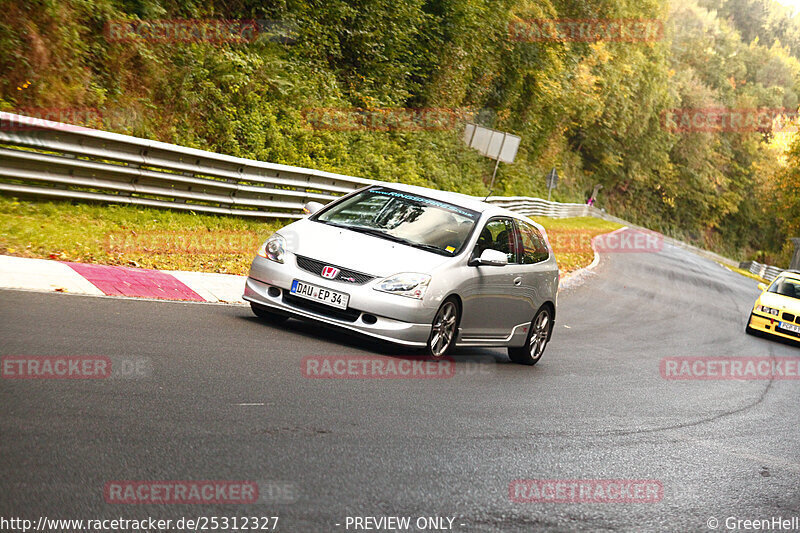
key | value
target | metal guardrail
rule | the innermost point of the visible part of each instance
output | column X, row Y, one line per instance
column 768, row 272
column 56, row 160
column 536, row 207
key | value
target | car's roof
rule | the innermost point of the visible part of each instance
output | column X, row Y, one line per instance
column 461, row 200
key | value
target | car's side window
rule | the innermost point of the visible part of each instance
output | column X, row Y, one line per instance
column 498, row 234
column 534, row 247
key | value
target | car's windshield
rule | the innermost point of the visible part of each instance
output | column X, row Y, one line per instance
column 786, row 287
column 403, row 217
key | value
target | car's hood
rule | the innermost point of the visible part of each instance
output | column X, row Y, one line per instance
column 357, row 251
column 779, row 301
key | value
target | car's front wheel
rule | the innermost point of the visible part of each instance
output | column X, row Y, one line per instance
column 444, row 330
column 748, row 329
column 264, row 314
column 537, row 339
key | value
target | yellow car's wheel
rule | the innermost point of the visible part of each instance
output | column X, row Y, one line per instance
column 749, row 330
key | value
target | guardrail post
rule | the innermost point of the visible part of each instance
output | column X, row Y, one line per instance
column 795, row 263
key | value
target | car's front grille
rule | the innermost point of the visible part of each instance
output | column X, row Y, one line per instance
column 788, row 317
column 348, row 315
column 346, row 275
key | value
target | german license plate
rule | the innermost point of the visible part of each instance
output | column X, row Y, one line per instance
column 789, row 327
column 320, row 294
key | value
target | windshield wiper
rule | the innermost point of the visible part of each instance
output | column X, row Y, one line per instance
column 378, row 233
column 388, row 236
column 428, row 247
column 334, row 224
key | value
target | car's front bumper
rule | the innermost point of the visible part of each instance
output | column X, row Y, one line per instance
column 384, row 316
column 764, row 324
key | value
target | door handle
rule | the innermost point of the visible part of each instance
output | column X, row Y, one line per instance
column 518, row 281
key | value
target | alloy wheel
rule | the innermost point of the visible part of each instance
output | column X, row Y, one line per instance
column 444, row 330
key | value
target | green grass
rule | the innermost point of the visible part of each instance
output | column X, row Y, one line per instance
column 577, row 223
column 746, row 273
column 173, row 240
column 130, row 236
column 571, row 239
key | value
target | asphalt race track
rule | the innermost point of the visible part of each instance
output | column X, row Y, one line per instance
column 224, row 398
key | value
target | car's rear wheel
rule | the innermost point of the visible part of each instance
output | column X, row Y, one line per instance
column 444, row 330
column 263, row 313
column 539, row 334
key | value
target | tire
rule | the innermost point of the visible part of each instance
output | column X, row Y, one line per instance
column 444, row 329
column 539, row 334
column 262, row 313
column 748, row 329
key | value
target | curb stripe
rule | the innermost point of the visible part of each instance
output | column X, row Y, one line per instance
column 135, row 282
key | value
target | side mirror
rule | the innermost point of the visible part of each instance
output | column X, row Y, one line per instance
column 312, row 207
column 762, row 286
column 490, row 257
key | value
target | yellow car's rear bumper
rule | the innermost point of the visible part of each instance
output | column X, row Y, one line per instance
column 763, row 324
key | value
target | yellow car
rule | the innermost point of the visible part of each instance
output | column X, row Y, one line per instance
column 777, row 310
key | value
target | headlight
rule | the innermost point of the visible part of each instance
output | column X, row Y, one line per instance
column 274, row 248
column 408, row 284
column 768, row 310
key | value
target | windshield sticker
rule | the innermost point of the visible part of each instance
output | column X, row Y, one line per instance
column 421, row 199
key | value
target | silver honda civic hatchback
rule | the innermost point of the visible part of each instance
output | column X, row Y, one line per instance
column 414, row 266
